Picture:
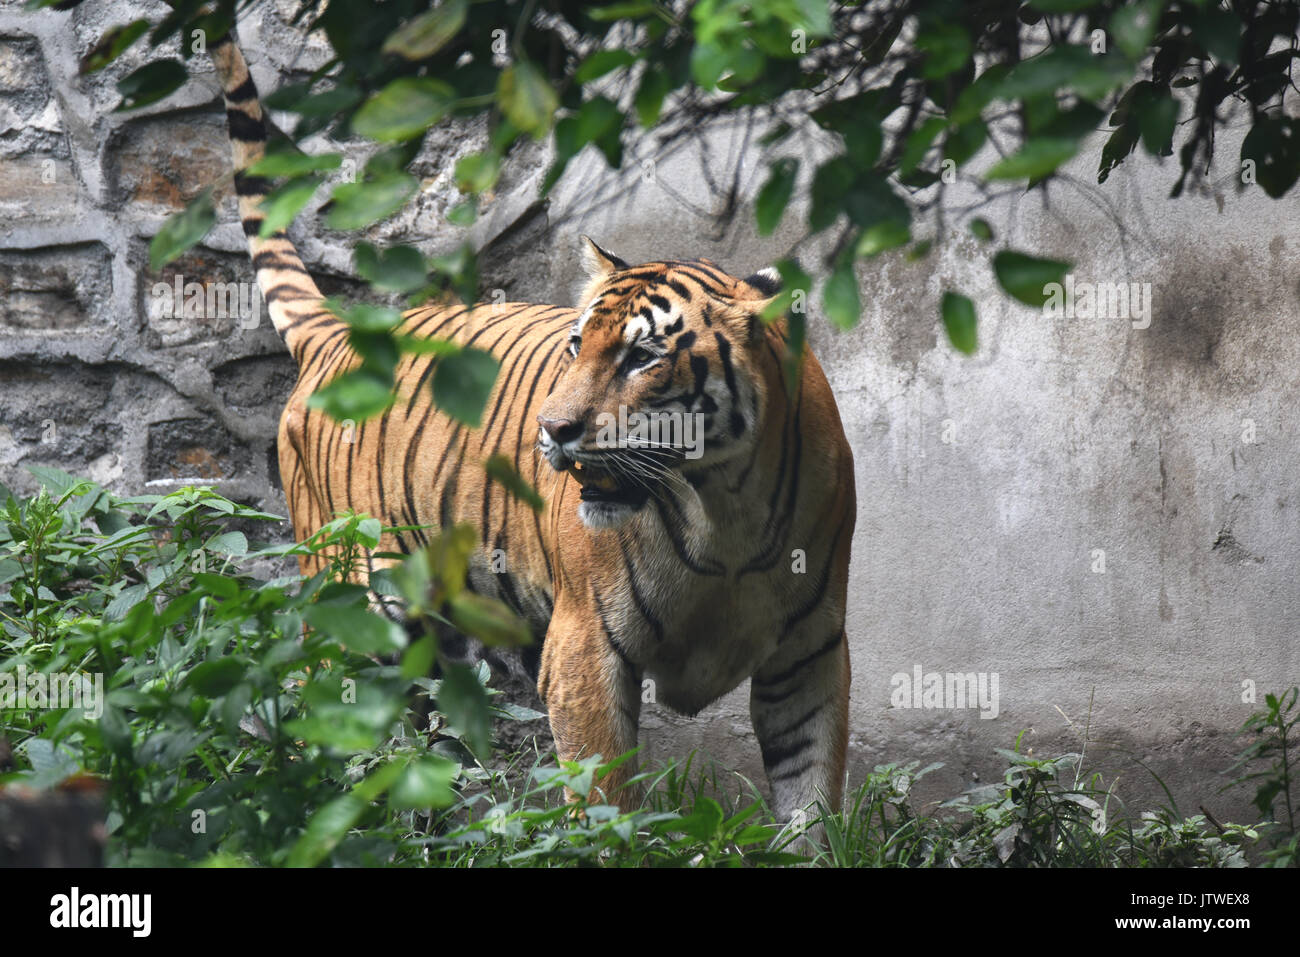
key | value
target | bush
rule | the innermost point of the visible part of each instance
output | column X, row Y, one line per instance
column 230, row 719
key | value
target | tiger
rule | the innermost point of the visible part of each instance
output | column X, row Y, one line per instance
column 692, row 567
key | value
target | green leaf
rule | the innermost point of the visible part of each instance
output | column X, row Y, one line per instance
column 405, row 108
column 630, row 10
column 217, row 585
column 499, row 468
column 357, row 205
column 1133, row 26
column 883, row 236
column 1062, row 6
column 964, row 140
column 282, row 205
column 840, row 295
column 398, row 269
column 428, row 33
column 150, row 83
column 1024, row 277
column 919, row 142
column 214, row 678
column 981, row 229
column 1219, row 31
column 357, row 629
column 476, row 172
column 655, row 84
column 112, row 45
column 703, row 821
column 234, row 706
column 488, row 620
column 234, row 544
column 182, row 231
column 1072, row 66
column 602, row 62
column 463, row 214
column 1273, row 143
column 462, row 383
column 1159, row 118
column 426, row 782
column 959, row 322
column 418, row 660
column 527, row 99
column 465, row 703
column 325, row 104
column 56, row 480
column 708, row 63
column 1036, row 159
column 287, row 163
column 326, row 829
column 947, row 47
column 356, row 395
column 599, row 121
column 344, row 718
column 775, row 195
column 364, row 317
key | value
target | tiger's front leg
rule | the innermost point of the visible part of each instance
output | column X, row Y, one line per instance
column 592, row 695
column 799, row 703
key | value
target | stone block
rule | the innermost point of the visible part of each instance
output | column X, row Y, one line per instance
column 56, row 288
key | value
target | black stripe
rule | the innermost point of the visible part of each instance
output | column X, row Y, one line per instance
column 253, row 225
column 773, row 756
column 823, row 583
column 673, row 527
column 678, row 288
column 795, row 772
column 275, row 259
column 618, row 650
column 802, row 663
column 633, row 668
column 638, row 598
column 245, row 128
column 287, row 291
column 244, row 92
column 800, row 723
column 724, row 356
column 246, row 185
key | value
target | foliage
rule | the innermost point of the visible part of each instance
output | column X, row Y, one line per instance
column 1273, row 744
column 916, row 95
column 228, row 727
column 290, row 721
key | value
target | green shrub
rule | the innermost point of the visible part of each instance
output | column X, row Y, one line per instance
column 283, row 720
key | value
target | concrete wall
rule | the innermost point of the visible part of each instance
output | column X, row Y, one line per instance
column 1104, row 516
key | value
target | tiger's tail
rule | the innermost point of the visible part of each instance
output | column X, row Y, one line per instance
column 292, row 299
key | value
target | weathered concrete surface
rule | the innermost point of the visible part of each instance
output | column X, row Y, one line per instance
column 988, row 487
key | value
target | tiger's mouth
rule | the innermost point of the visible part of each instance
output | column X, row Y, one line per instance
column 600, row 485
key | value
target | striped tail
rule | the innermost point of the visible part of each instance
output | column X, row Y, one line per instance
column 292, row 299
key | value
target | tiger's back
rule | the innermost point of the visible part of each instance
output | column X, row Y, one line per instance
column 414, row 466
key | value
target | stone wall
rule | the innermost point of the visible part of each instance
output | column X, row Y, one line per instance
column 1104, row 516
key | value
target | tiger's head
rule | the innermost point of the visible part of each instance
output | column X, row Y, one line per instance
column 661, row 380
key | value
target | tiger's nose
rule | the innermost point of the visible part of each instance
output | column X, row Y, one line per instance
column 561, row 430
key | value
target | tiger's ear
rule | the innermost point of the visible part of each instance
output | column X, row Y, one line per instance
column 752, row 294
column 596, row 262
column 765, row 283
